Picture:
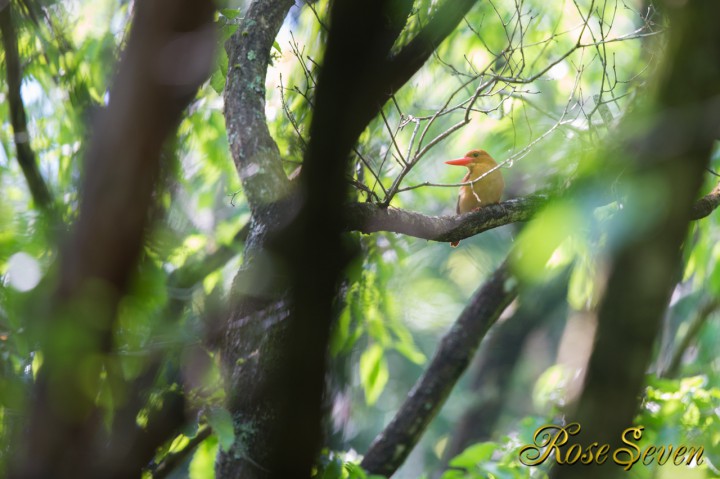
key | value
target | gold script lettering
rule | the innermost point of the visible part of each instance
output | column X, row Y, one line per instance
column 631, row 458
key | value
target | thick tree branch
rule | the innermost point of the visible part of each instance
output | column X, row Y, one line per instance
column 25, row 154
column 251, row 341
column 370, row 218
column 256, row 155
column 390, row 448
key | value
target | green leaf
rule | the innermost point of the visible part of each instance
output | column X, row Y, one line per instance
column 581, row 288
column 373, row 372
column 411, row 352
column 355, row 471
column 474, row 455
column 221, row 423
column 226, row 31
column 333, row 470
column 230, row 13
column 217, row 81
column 202, row 465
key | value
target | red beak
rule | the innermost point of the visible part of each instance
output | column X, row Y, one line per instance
column 460, row 161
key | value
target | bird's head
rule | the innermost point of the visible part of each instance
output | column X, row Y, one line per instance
column 472, row 157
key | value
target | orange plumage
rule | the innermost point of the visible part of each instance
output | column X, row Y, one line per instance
column 483, row 192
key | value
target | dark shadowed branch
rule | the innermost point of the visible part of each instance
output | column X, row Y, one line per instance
column 673, row 154
column 155, row 82
column 492, row 373
column 25, row 154
column 413, row 55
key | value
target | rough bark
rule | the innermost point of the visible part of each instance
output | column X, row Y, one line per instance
column 168, row 56
column 706, row 205
column 275, row 343
column 252, row 339
column 255, row 153
column 371, row 218
column 672, row 155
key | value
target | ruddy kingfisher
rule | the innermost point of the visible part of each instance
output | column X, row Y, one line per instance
column 485, row 191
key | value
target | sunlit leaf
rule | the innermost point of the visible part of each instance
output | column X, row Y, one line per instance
column 373, row 372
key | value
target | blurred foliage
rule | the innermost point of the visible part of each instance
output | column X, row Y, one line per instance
column 543, row 86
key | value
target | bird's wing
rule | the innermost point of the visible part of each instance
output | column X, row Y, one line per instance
column 465, row 179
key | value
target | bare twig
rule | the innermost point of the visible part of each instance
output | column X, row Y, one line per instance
column 290, row 116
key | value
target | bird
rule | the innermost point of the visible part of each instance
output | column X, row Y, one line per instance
column 486, row 191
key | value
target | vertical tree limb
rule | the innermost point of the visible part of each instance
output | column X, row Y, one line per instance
column 169, row 54
column 256, row 155
column 672, row 157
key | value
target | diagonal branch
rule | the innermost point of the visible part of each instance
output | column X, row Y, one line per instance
column 392, row 446
column 25, row 155
column 409, row 60
column 706, row 205
column 695, row 326
column 458, row 345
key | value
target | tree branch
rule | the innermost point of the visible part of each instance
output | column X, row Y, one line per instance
column 409, row 60
column 370, row 218
column 538, row 307
column 706, row 205
column 392, row 446
column 695, row 326
column 25, row 154
column 256, row 154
